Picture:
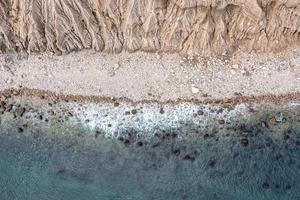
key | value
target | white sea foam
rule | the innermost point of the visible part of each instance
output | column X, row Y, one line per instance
column 113, row 121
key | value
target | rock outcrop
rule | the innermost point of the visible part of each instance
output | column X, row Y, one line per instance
column 194, row 26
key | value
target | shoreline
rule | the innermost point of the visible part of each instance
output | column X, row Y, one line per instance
column 276, row 99
column 112, row 117
column 150, row 99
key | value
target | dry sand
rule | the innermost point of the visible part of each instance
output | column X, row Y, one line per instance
column 144, row 76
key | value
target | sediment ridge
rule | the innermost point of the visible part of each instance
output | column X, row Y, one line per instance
column 43, row 94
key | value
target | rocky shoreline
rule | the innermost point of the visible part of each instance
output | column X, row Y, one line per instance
column 150, row 99
column 247, row 150
column 111, row 115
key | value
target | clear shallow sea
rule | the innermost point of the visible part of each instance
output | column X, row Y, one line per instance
column 244, row 162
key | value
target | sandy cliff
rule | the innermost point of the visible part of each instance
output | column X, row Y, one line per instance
column 194, row 26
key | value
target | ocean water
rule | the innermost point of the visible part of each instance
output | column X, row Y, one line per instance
column 245, row 161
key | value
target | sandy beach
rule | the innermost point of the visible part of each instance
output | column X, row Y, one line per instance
column 161, row 77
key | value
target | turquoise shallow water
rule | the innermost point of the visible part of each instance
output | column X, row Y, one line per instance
column 245, row 161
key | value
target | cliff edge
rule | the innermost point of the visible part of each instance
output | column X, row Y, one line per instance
column 189, row 26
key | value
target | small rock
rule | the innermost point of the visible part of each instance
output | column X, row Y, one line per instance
column 244, row 142
column 195, row 90
column 69, row 114
column 8, row 107
column 221, row 121
column 176, row 152
column 200, row 112
column 20, row 130
column 14, row 92
column 206, row 136
column 97, row 133
column 263, row 125
column 238, row 94
column 140, row 144
column 211, row 163
column 272, row 120
column 235, row 66
column 247, row 73
column 220, row 110
column 20, row 111
column 265, row 185
column 161, row 111
column 2, row 104
column 288, row 187
column 279, row 117
column 51, row 112
column 9, row 81
column 194, row 114
column 158, row 56
column 188, row 157
column 134, row 111
column 284, row 120
column 286, row 137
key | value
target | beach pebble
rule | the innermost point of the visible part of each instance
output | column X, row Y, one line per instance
column 244, row 142
column 20, row 111
column 195, row 90
column 221, row 121
column 211, row 163
column 272, row 120
column 200, row 112
column 263, row 124
column 232, row 72
column 235, row 66
column 8, row 107
column 279, row 117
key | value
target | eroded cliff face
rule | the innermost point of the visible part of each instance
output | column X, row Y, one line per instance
column 194, row 26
